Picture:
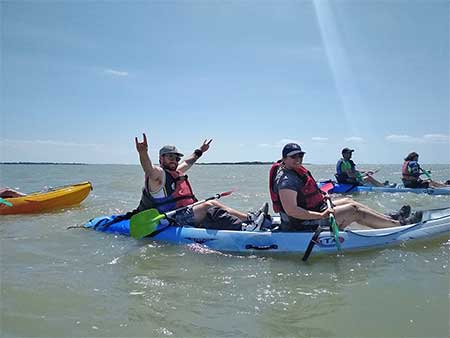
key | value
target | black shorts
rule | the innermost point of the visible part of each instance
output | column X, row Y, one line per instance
column 352, row 181
column 416, row 184
column 297, row 225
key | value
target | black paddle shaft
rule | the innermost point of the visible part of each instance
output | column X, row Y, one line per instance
column 312, row 243
column 173, row 212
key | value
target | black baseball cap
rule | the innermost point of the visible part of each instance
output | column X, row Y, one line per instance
column 291, row 149
column 347, row 150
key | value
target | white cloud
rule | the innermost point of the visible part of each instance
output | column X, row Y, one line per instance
column 319, row 139
column 402, row 139
column 355, row 139
column 279, row 143
column 436, row 138
column 116, row 72
column 428, row 138
column 8, row 142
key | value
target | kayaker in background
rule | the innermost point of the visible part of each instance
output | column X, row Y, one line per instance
column 167, row 188
column 411, row 172
column 346, row 172
column 302, row 205
column 10, row 193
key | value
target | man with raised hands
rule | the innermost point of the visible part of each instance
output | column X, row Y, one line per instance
column 167, row 188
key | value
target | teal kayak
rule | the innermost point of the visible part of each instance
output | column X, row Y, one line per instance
column 434, row 223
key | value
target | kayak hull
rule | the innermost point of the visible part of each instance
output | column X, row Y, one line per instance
column 45, row 201
column 340, row 188
column 435, row 223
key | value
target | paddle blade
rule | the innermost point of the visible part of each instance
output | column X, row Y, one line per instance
column 5, row 202
column 335, row 229
column 144, row 223
column 427, row 173
column 226, row 193
column 327, row 187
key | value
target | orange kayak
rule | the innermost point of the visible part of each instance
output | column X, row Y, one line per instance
column 55, row 198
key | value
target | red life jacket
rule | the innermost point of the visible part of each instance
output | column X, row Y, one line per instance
column 178, row 193
column 406, row 174
column 308, row 197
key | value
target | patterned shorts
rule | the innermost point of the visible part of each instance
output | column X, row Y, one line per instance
column 185, row 217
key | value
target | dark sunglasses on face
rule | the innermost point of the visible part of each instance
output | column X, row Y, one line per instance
column 296, row 156
column 173, row 157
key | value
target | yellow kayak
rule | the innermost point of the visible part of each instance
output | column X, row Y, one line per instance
column 55, row 198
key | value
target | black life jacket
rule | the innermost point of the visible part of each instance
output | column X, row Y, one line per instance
column 177, row 193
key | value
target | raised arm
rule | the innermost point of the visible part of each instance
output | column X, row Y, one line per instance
column 189, row 162
column 142, row 148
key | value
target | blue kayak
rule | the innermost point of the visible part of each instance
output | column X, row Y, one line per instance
column 434, row 223
column 340, row 188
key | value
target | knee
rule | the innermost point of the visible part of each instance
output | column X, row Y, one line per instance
column 355, row 208
column 202, row 207
column 208, row 204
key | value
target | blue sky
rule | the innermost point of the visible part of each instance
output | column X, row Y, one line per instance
column 81, row 79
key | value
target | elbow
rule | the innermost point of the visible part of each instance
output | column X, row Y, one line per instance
column 290, row 210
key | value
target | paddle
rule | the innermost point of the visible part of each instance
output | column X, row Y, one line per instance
column 427, row 173
column 9, row 204
column 325, row 188
column 334, row 226
column 146, row 222
column 371, row 172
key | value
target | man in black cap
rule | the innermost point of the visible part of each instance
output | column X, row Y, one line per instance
column 302, row 206
column 167, row 188
column 346, row 172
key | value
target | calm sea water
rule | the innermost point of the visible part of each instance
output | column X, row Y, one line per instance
column 76, row 283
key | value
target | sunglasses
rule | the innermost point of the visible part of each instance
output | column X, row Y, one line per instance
column 296, row 156
column 173, row 157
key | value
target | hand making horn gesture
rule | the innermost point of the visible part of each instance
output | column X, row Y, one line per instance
column 141, row 146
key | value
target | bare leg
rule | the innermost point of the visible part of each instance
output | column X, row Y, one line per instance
column 242, row 216
column 10, row 193
column 372, row 181
column 348, row 200
column 347, row 213
column 201, row 209
column 342, row 200
column 435, row 184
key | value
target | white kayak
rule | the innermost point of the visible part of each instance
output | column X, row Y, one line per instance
column 434, row 223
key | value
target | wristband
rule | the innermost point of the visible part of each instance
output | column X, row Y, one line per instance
column 198, row 153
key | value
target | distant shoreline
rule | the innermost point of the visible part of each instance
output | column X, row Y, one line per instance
column 46, row 163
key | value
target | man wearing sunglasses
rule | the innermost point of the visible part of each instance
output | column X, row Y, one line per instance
column 167, row 188
column 302, row 206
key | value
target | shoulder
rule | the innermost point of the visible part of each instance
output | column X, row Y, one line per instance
column 287, row 179
column 156, row 179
